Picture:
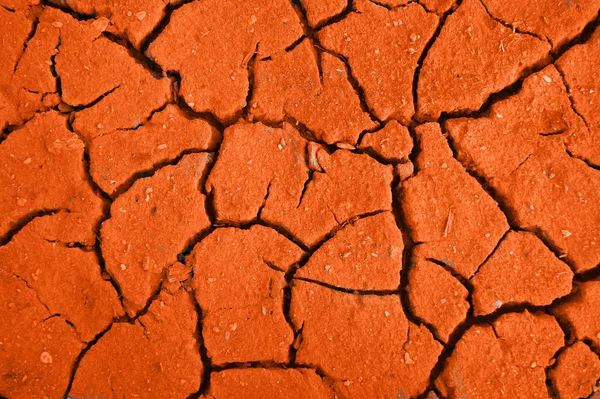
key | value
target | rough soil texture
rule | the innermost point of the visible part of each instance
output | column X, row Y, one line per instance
column 517, row 347
column 300, row 199
column 576, row 371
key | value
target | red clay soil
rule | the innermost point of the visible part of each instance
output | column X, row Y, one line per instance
column 300, row 199
column 575, row 372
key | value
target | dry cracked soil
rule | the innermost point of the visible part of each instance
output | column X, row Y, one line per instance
column 300, row 199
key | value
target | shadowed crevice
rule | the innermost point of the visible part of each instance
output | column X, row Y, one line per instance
column 423, row 56
column 311, row 33
column 505, row 207
column 160, row 27
column 123, row 319
column 514, row 28
column 516, row 86
column 349, row 290
column 30, row 36
column 408, row 263
column 24, row 220
column 62, row 6
column 206, row 361
column 473, row 321
column 140, row 57
column 126, row 185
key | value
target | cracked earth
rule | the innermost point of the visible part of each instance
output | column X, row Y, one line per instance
column 300, row 199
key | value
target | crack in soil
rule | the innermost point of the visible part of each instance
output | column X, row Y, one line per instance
column 23, row 221
column 160, row 27
column 96, row 339
column 421, row 60
column 506, row 208
column 407, row 257
column 311, row 33
column 34, row 27
column 140, row 55
column 206, row 361
column 81, row 107
column 64, row 8
column 515, row 87
column 126, row 185
column 513, row 27
column 569, row 91
column 472, row 321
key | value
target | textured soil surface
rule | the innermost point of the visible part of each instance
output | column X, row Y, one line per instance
column 318, row 199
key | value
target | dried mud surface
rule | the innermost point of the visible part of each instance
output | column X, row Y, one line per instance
column 300, row 199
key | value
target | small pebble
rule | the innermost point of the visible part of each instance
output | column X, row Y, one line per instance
column 46, row 358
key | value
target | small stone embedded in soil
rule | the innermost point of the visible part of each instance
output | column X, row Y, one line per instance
column 557, row 21
column 42, row 170
column 521, row 270
column 363, row 255
column 157, row 354
column 211, row 43
column 392, row 143
column 119, row 155
column 536, row 172
column 404, row 170
column 113, row 90
column 576, row 372
column 396, row 356
column 256, row 178
column 447, row 210
column 436, row 296
column 512, row 353
column 239, row 281
column 178, row 275
column 318, row 11
column 579, row 67
column 473, row 57
column 37, row 349
column 383, row 48
column 151, row 223
column 66, row 280
column 272, row 383
column 582, row 312
column 312, row 89
column 432, row 395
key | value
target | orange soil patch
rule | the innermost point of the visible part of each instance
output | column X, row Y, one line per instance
column 300, row 199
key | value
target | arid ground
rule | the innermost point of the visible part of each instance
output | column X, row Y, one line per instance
column 299, row 199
